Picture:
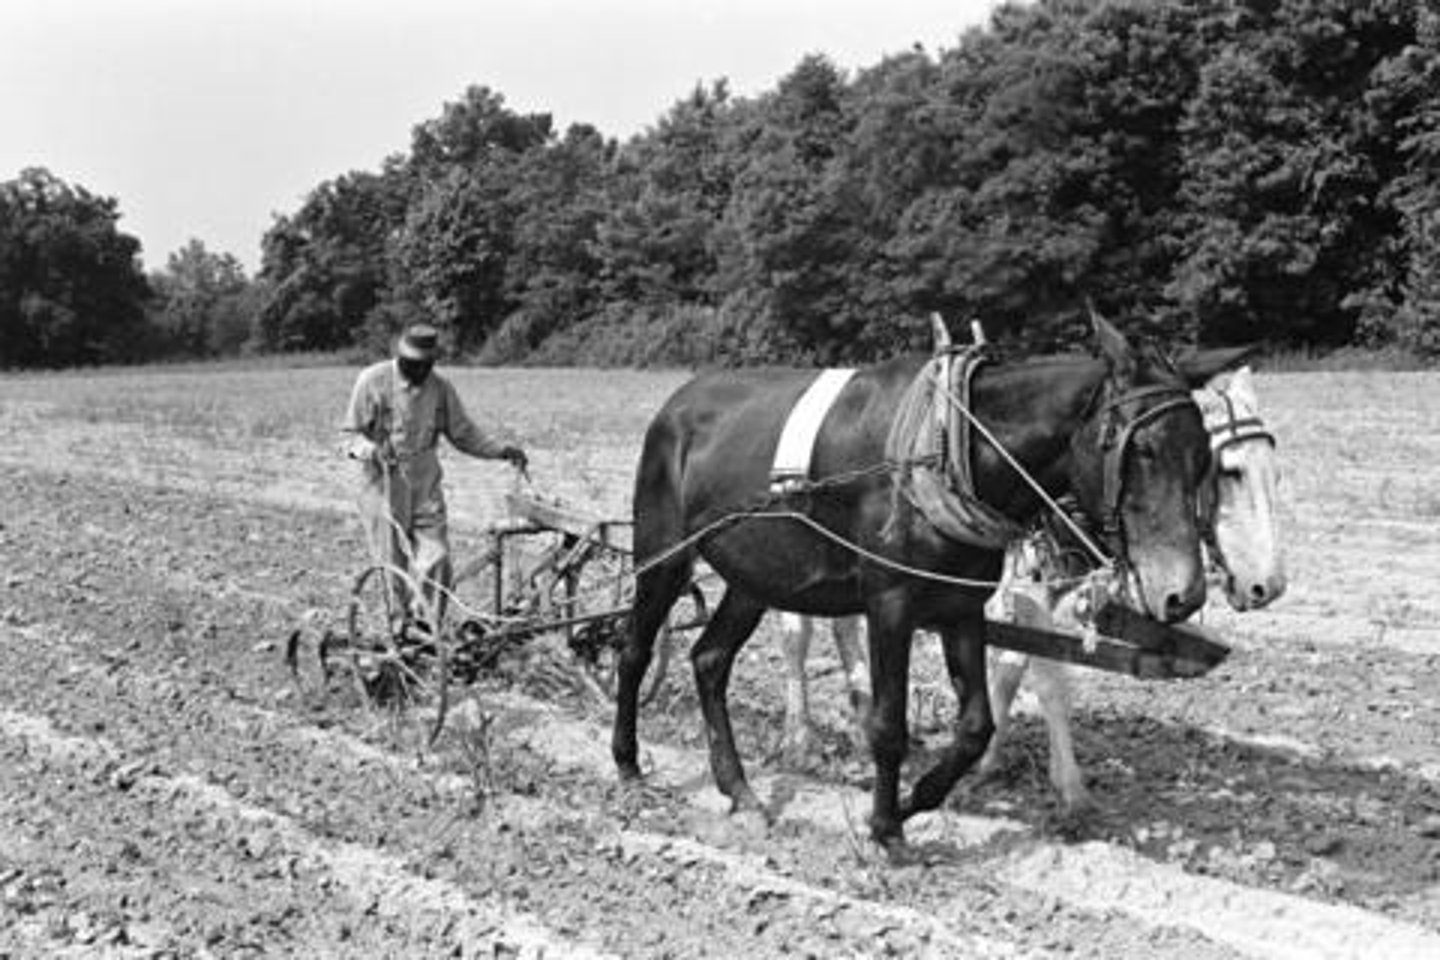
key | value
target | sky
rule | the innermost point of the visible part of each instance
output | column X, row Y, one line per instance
column 207, row 118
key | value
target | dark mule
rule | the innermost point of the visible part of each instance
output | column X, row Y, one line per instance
column 1119, row 431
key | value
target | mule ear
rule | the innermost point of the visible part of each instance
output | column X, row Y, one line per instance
column 1198, row 366
column 1242, row 385
column 1113, row 347
column 940, row 332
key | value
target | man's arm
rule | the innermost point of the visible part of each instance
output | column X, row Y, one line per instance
column 361, row 422
column 467, row 436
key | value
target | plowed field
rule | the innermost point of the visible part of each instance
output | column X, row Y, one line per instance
column 167, row 788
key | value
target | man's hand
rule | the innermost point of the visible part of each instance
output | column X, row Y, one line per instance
column 516, row 458
column 368, row 451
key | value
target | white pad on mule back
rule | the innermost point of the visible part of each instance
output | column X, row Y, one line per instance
column 797, row 438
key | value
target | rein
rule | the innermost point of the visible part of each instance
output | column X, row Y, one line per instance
column 804, row 519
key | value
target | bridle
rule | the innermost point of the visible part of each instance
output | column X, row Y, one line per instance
column 1229, row 431
column 1235, row 429
column 1115, row 439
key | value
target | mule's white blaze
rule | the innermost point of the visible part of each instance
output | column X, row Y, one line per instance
column 1247, row 524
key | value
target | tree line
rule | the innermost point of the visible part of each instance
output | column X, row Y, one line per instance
column 1207, row 171
column 73, row 291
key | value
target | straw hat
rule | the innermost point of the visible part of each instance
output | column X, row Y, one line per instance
column 419, row 342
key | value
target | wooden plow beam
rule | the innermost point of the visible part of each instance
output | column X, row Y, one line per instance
column 1127, row 642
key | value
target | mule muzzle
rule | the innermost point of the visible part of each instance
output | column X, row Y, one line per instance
column 1254, row 594
column 1169, row 592
column 1178, row 606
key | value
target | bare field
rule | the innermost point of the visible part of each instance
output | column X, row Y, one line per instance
column 274, row 435
column 165, row 790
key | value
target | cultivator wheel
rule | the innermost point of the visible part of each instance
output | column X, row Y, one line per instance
column 398, row 660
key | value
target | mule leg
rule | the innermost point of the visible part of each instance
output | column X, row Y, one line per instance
column 846, row 631
column 1006, row 669
column 795, row 634
column 1026, row 606
column 890, row 637
column 964, row 645
column 1052, row 685
column 713, row 656
column 656, row 591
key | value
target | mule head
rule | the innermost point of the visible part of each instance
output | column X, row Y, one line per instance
column 1242, row 496
column 1137, row 463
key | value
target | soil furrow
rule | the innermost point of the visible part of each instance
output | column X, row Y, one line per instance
column 150, row 620
column 1092, row 875
column 439, row 824
column 368, row 900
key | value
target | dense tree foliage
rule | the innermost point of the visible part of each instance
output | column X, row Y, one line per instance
column 202, row 305
column 1409, row 91
column 327, row 262
column 1212, row 170
column 71, row 288
column 1205, row 170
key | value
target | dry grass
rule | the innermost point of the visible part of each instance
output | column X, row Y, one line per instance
column 1361, row 453
column 274, row 434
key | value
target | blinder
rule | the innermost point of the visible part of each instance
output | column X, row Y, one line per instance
column 1115, row 441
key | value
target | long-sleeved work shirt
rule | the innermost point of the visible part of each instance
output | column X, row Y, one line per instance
column 385, row 407
column 409, row 420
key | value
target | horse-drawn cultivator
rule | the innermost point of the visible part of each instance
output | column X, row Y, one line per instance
column 549, row 571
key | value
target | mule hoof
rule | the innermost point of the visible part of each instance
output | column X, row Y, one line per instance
column 989, row 766
column 751, row 823
column 1076, row 824
column 745, row 803
column 890, row 837
column 899, row 853
column 629, row 772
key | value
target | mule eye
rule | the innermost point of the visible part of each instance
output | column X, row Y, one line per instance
column 1146, row 452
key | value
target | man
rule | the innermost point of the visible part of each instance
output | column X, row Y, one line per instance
column 398, row 411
